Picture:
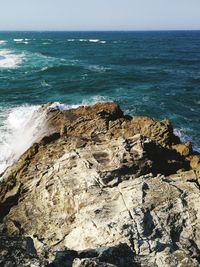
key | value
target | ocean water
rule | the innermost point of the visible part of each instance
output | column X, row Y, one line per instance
column 148, row 73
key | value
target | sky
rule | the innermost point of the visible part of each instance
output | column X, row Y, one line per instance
column 99, row 15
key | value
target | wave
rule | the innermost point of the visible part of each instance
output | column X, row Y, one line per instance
column 95, row 99
column 97, row 68
column 18, row 40
column 10, row 60
column 87, row 40
column 24, row 125
column 2, row 42
column 39, row 62
column 94, row 40
column 22, row 41
column 61, row 68
column 17, row 133
column 71, row 66
column 186, row 135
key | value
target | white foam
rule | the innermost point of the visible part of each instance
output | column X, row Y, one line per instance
column 61, row 106
column 24, row 125
column 95, row 99
column 2, row 42
column 19, row 130
column 21, row 127
column 71, row 40
column 18, row 40
column 10, row 60
column 98, row 68
column 83, row 40
column 22, row 41
column 181, row 133
column 94, row 40
column 86, row 102
column 86, row 40
column 44, row 68
column 185, row 135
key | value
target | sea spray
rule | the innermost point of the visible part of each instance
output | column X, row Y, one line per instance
column 21, row 128
column 25, row 125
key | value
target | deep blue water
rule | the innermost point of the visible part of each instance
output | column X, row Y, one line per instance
column 148, row 73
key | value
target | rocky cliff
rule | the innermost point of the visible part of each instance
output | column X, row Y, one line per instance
column 100, row 188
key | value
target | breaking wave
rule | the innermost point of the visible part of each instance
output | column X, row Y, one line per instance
column 87, row 40
column 17, row 133
column 2, row 42
column 24, row 125
column 10, row 60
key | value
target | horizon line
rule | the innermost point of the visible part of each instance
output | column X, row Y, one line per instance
column 148, row 30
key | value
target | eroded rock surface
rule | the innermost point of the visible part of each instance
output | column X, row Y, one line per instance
column 105, row 189
column 18, row 251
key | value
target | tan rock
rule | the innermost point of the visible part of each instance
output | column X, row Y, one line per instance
column 183, row 149
column 100, row 179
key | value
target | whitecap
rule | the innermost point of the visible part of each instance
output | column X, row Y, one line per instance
column 44, row 68
column 10, row 60
column 94, row 40
column 45, row 84
column 22, row 41
column 18, row 40
column 83, row 40
column 86, row 40
column 2, row 42
column 98, row 68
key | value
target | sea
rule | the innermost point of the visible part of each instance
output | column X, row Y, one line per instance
column 155, row 74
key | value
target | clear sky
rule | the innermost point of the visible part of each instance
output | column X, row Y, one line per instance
column 99, row 14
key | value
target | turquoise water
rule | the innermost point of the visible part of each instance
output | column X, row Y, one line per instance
column 147, row 73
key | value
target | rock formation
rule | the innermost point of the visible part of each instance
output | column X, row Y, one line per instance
column 100, row 188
